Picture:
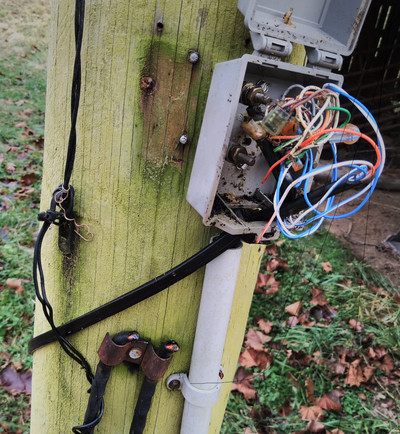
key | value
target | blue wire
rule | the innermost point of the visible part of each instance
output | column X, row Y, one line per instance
column 321, row 216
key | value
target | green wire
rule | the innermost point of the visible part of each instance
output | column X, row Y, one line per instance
column 343, row 110
column 340, row 109
column 285, row 144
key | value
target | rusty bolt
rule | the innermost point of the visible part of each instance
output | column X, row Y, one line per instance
column 135, row 353
column 174, row 385
column 147, row 84
column 183, row 139
column 193, row 56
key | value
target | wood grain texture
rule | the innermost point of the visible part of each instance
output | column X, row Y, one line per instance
column 130, row 179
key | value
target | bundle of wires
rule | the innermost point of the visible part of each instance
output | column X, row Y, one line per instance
column 316, row 112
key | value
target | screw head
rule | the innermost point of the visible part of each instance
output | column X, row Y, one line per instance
column 135, row 353
column 183, row 139
column 193, row 56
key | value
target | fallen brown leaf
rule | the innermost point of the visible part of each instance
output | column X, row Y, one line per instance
column 21, row 102
column 18, row 365
column 21, row 125
column 256, row 340
column 318, row 298
column 26, row 113
column 271, row 250
column 291, row 322
column 379, row 291
column 326, row 266
column 266, row 280
column 285, row 410
column 337, row 431
column 338, row 368
column 304, row 321
column 272, row 284
column 386, row 365
column 299, row 357
column 265, row 326
column 363, row 396
column 379, row 351
column 6, row 358
column 29, row 178
column 295, row 308
column 243, row 384
column 10, row 168
column 16, row 383
column 356, row 325
column 310, row 396
column 16, row 285
column 276, row 263
column 354, row 376
column 368, row 372
column 331, row 401
column 316, row 427
column 251, row 357
column 311, row 413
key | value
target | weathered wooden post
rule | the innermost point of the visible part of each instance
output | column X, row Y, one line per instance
column 140, row 94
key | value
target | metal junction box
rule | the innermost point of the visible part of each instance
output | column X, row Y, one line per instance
column 225, row 186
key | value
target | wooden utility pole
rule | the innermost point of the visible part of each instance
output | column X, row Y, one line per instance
column 139, row 95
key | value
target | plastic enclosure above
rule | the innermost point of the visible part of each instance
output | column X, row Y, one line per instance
column 218, row 189
column 330, row 25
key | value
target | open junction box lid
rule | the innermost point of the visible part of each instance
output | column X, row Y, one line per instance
column 332, row 26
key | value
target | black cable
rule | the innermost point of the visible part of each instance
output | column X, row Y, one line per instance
column 222, row 243
column 75, row 90
column 148, row 389
column 143, row 405
column 41, row 294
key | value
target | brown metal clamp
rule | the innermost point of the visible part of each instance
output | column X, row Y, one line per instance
column 127, row 347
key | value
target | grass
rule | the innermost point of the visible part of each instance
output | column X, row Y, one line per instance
column 354, row 292
column 22, row 101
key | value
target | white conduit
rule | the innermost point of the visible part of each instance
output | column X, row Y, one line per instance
column 201, row 389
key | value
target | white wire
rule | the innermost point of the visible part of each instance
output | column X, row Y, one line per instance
column 308, row 128
column 277, row 206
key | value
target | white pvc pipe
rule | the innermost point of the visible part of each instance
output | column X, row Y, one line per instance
column 212, row 325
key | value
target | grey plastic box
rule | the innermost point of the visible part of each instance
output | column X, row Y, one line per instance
column 331, row 25
column 218, row 189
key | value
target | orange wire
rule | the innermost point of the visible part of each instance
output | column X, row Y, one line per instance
column 304, row 144
column 343, row 130
column 273, row 167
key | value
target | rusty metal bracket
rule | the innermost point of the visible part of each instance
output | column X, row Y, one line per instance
column 112, row 354
column 153, row 366
column 128, row 347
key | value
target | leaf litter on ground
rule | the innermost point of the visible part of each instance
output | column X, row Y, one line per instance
column 312, row 328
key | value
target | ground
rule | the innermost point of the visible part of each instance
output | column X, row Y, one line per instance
column 366, row 232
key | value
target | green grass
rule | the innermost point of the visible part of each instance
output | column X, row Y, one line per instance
column 349, row 289
column 22, row 96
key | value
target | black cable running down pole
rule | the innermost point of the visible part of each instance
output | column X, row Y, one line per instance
column 75, row 90
column 207, row 254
